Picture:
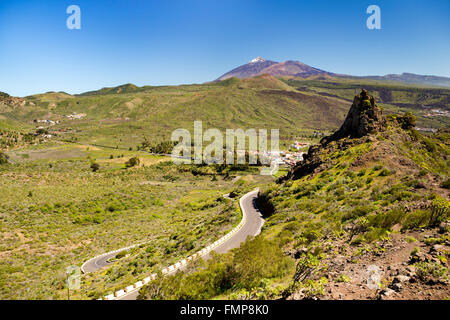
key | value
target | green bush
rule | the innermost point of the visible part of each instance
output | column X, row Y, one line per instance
column 3, row 158
column 416, row 219
column 246, row 268
column 95, row 167
column 388, row 219
column 440, row 209
column 134, row 161
column 446, row 184
column 431, row 270
column 407, row 121
column 357, row 212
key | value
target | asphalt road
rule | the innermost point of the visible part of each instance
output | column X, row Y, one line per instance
column 252, row 227
column 97, row 263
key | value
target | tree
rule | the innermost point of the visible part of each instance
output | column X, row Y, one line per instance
column 132, row 162
column 95, row 166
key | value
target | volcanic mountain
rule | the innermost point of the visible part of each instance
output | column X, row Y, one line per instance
column 260, row 66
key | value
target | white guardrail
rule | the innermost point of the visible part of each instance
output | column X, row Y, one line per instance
column 137, row 285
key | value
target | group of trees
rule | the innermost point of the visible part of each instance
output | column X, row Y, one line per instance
column 164, row 147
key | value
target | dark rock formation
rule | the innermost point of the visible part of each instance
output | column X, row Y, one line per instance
column 364, row 117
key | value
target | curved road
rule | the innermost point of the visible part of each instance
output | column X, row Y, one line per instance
column 252, row 227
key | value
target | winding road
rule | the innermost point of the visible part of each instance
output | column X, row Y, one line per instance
column 253, row 221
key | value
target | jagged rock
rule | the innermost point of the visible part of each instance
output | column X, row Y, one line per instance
column 400, row 279
column 386, row 293
column 397, row 287
column 364, row 117
column 411, row 269
column 299, row 252
column 436, row 248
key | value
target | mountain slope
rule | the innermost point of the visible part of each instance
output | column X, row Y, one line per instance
column 364, row 216
column 122, row 116
column 290, row 68
column 251, row 69
column 260, row 66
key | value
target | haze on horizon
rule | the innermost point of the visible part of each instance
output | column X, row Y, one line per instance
column 181, row 42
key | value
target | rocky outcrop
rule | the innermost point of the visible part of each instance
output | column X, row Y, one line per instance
column 364, row 117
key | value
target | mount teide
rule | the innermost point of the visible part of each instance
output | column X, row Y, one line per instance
column 260, row 66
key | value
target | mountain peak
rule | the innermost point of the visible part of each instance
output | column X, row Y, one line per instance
column 260, row 66
column 257, row 59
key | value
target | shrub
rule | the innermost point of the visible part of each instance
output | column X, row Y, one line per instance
column 439, row 211
column 343, row 278
column 251, row 262
column 410, row 239
column 121, row 254
column 3, row 158
column 407, row 121
column 384, row 172
column 95, row 167
column 416, row 219
column 430, row 145
column 132, row 162
column 246, row 268
column 314, row 288
column 431, row 241
column 357, row 212
column 427, row 271
column 446, row 184
column 388, row 219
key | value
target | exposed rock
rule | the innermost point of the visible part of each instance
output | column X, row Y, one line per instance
column 364, row 117
column 397, row 287
column 436, row 248
column 444, row 227
column 400, row 278
column 386, row 293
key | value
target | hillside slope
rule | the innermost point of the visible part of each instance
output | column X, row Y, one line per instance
column 364, row 216
column 122, row 116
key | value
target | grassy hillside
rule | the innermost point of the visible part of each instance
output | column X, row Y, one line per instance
column 393, row 97
column 122, row 116
column 55, row 211
column 361, row 198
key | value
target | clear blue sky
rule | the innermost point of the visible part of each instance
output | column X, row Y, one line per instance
column 194, row 41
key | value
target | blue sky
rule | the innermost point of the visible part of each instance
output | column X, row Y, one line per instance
column 194, row 41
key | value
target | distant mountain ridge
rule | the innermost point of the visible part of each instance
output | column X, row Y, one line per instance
column 412, row 78
column 259, row 66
